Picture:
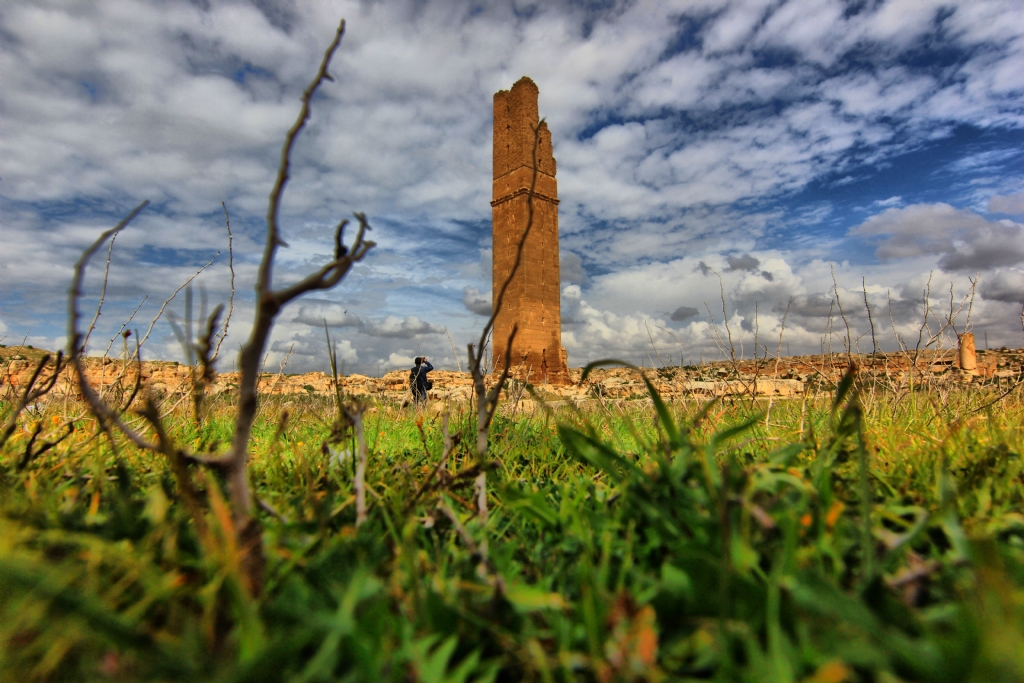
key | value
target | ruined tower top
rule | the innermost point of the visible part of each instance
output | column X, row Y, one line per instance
column 515, row 117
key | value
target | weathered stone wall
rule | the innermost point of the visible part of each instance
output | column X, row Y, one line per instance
column 172, row 379
column 532, row 300
column 792, row 377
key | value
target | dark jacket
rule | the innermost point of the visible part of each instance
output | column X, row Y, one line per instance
column 418, row 381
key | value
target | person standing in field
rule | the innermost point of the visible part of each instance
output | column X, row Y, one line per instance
column 418, row 381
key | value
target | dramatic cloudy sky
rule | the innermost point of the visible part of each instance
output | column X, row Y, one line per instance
column 754, row 147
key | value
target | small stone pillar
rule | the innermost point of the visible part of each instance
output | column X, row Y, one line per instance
column 968, row 356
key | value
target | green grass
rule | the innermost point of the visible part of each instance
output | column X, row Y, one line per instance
column 883, row 541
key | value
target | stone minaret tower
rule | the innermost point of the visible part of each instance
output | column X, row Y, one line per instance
column 533, row 297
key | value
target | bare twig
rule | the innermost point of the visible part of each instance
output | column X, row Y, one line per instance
column 892, row 321
column 485, row 568
column 198, row 353
column 725, row 318
column 757, row 365
column 355, row 416
column 487, row 401
column 849, row 341
column 231, row 299
column 458, row 363
column 32, row 393
column 871, row 320
column 103, row 294
column 459, row 528
column 269, row 302
column 138, row 372
column 332, row 357
column 179, row 465
column 449, row 444
column 104, row 414
column 202, row 373
column 927, row 303
column 169, row 299
column 1000, row 397
column 716, row 336
column 682, row 346
column 271, row 510
column 31, row 453
column 124, row 325
column 651, row 337
column 778, row 357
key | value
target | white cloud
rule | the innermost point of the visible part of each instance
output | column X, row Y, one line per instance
column 570, row 267
column 872, row 95
column 476, row 302
column 345, row 351
column 887, row 203
column 732, row 28
column 401, row 328
column 332, row 314
column 1009, row 204
column 402, row 359
column 669, row 152
column 813, row 27
column 744, row 262
column 684, row 313
column 1006, row 285
column 965, row 240
column 313, row 348
column 677, row 82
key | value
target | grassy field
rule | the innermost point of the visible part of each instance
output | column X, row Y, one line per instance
column 858, row 539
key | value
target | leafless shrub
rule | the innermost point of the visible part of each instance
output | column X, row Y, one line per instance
column 726, row 346
column 847, row 341
column 269, row 303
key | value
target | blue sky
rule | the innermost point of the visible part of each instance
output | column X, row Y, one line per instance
column 772, row 144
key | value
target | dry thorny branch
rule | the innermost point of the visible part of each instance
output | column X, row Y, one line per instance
column 35, row 388
column 727, row 347
column 487, row 400
column 847, row 341
column 269, row 303
column 926, row 338
column 231, row 298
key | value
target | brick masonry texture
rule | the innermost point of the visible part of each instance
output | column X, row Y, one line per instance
column 532, row 301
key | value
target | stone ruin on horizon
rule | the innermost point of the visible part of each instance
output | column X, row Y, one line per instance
column 532, row 300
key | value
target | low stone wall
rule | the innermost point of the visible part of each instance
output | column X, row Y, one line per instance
column 789, row 377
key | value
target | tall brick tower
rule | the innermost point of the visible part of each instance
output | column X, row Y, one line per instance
column 533, row 298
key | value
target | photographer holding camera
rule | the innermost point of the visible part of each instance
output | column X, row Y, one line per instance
column 418, row 381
